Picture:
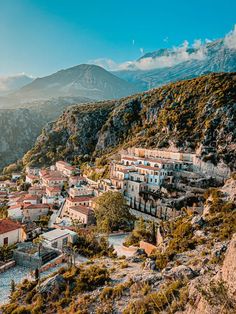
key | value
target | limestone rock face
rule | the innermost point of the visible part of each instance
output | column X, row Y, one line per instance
column 227, row 274
column 179, row 272
column 229, row 267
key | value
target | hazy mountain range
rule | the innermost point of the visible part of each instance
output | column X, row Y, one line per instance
column 10, row 83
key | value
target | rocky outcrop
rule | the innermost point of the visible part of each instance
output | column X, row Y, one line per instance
column 194, row 116
column 215, row 293
column 21, row 126
column 229, row 267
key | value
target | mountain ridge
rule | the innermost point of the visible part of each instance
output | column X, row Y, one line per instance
column 216, row 57
column 83, row 80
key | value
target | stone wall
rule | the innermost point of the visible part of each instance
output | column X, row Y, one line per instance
column 26, row 260
column 6, row 266
column 56, row 261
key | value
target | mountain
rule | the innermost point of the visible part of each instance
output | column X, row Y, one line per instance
column 21, row 126
column 11, row 83
column 170, row 65
column 196, row 115
column 83, row 80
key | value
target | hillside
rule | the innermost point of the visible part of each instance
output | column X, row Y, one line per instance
column 196, row 115
column 182, row 64
column 83, row 80
column 21, row 126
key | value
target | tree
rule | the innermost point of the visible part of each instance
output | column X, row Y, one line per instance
column 112, row 212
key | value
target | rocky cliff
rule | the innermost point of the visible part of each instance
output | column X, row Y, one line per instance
column 196, row 115
column 21, row 126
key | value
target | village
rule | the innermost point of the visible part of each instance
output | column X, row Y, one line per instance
column 57, row 200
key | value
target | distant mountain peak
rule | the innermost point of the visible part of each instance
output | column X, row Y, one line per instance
column 13, row 82
column 84, row 80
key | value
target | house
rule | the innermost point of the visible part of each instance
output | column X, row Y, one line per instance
column 10, row 232
column 83, row 190
column 74, row 201
column 32, row 170
column 59, row 238
column 34, row 211
column 32, row 199
column 82, row 214
column 30, row 178
column 53, row 179
column 65, row 168
column 79, row 200
column 53, row 191
column 76, row 180
column 37, row 190
column 15, row 212
column 15, row 176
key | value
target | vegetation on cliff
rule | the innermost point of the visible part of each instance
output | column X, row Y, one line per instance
column 193, row 115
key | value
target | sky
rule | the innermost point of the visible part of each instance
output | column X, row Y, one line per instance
column 39, row 37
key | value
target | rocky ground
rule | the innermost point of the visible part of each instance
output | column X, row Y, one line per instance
column 192, row 272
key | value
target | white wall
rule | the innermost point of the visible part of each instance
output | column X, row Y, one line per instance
column 13, row 237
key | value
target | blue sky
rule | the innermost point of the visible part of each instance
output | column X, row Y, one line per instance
column 39, row 37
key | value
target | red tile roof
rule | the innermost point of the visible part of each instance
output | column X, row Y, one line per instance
column 36, row 206
column 30, row 197
column 82, row 209
column 53, row 188
column 7, row 225
column 129, row 158
column 19, row 205
column 80, row 199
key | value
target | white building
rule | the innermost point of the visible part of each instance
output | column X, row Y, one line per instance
column 10, row 232
column 59, row 238
column 15, row 212
column 34, row 211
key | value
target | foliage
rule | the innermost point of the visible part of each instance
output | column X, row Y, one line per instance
column 143, row 231
column 90, row 245
column 91, row 277
column 112, row 213
column 216, row 294
column 169, row 296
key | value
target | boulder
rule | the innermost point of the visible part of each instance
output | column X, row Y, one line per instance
column 179, row 272
column 198, row 221
column 150, row 264
column 52, row 285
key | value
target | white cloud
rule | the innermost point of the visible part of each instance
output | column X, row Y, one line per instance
column 230, row 39
column 174, row 56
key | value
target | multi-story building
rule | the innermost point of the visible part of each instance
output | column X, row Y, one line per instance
column 139, row 175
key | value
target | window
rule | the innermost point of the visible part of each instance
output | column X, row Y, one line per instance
column 65, row 241
column 54, row 244
column 5, row 241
